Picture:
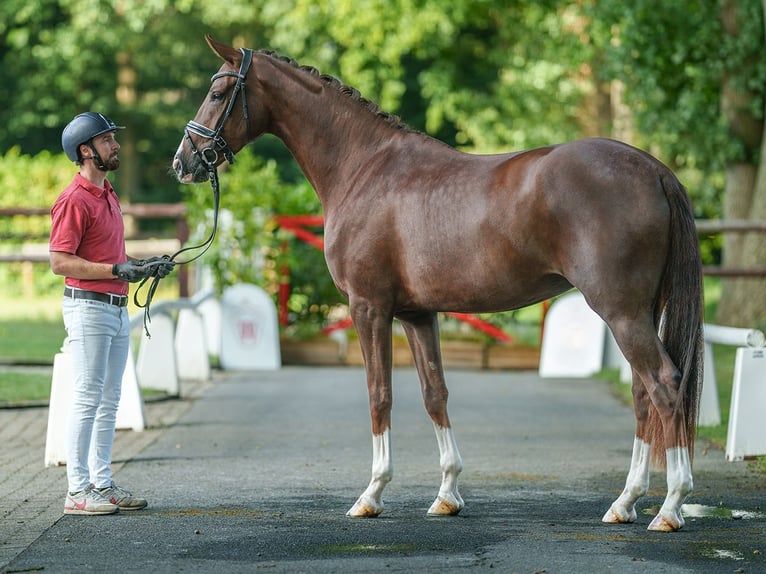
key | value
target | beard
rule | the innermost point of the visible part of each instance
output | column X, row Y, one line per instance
column 112, row 163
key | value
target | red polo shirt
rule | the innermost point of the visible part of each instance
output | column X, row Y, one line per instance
column 86, row 221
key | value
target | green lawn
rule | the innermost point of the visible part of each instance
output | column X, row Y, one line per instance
column 18, row 387
column 30, row 340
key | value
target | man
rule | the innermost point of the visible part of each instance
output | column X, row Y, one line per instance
column 87, row 246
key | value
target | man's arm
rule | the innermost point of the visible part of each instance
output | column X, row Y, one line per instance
column 70, row 265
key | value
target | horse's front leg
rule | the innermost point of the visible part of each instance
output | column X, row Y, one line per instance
column 374, row 330
column 423, row 335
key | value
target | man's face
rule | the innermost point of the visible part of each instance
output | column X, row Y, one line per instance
column 107, row 147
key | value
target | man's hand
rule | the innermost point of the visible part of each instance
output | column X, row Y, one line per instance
column 132, row 271
column 159, row 266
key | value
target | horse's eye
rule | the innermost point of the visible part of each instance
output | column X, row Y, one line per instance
column 216, row 96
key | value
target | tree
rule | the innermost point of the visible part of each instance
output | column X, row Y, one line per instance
column 483, row 75
column 743, row 102
column 695, row 81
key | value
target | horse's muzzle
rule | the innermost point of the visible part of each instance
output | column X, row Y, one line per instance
column 190, row 172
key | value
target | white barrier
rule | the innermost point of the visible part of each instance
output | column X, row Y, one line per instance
column 710, row 411
column 249, row 329
column 210, row 309
column 573, row 339
column 576, row 343
column 191, row 346
column 746, row 435
column 130, row 412
column 159, row 366
column 156, row 365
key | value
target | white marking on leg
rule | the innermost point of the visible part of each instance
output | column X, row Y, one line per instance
column 370, row 503
column 624, row 508
column 680, row 484
column 449, row 501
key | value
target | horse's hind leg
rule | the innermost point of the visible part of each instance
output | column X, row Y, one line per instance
column 623, row 509
column 423, row 335
column 656, row 382
column 374, row 329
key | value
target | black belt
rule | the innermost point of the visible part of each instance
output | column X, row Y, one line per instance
column 118, row 300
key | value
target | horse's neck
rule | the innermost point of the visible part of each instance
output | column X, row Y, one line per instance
column 330, row 135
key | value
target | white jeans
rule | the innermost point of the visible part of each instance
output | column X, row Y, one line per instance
column 99, row 338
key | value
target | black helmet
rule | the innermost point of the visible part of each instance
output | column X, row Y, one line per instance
column 83, row 128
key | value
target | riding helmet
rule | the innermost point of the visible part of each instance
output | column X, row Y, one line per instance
column 83, row 128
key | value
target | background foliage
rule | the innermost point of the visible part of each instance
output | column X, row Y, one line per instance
column 482, row 75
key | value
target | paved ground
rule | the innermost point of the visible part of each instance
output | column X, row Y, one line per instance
column 255, row 472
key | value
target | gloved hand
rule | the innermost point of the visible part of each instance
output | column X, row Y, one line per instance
column 132, row 271
column 159, row 266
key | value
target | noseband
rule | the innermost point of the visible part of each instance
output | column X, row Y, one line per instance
column 209, row 155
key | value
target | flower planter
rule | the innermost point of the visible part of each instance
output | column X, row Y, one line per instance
column 455, row 354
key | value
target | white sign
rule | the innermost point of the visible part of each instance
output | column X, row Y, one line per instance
column 249, row 330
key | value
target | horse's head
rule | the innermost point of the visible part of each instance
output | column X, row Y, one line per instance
column 222, row 125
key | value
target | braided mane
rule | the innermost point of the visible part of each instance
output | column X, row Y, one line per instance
column 352, row 93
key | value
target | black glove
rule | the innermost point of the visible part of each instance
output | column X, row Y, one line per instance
column 159, row 266
column 133, row 271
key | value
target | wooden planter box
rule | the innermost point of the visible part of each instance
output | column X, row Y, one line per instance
column 323, row 351
column 513, row 358
column 455, row 354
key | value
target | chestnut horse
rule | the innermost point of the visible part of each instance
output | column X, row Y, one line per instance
column 414, row 227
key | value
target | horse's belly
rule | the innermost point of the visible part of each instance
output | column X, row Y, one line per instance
column 462, row 290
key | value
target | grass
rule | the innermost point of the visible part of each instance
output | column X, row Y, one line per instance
column 17, row 387
column 31, row 333
column 30, row 341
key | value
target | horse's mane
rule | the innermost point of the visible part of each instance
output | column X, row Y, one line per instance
column 352, row 93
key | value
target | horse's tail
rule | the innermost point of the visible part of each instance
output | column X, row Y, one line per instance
column 679, row 314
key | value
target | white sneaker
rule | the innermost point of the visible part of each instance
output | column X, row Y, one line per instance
column 88, row 502
column 122, row 498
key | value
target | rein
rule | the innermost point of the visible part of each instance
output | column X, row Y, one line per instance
column 209, row 157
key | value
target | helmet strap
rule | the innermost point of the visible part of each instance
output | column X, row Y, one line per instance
column 96, row 157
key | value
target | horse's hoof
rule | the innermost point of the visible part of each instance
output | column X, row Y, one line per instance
column 663, row 523
column 444, row 507
column 365, row 509
column 619, row 516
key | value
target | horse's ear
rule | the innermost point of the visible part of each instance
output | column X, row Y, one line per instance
column 226, row 52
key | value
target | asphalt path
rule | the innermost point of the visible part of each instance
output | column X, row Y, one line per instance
column 258, row 473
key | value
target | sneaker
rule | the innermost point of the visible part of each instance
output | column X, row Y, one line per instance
column 122, row 498
column 89, row 502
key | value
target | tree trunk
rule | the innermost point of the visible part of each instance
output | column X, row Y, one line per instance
column 129, row 175
column 743, row 300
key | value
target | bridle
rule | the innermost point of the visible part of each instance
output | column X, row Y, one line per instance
column 209, row 157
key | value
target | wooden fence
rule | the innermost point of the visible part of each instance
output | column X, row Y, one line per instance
column 38, row 252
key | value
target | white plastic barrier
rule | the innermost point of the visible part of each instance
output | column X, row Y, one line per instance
column 157, row 366
column 746, row 435
column 130, row 413
column 573, row 339
column 249, row 329
column 710, row 411
column 210, row 309
column 576, row 343
column 174, row 351
column 191, row 346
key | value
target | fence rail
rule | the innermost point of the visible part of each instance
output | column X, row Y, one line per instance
column 177, row 211
column 37, row 252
